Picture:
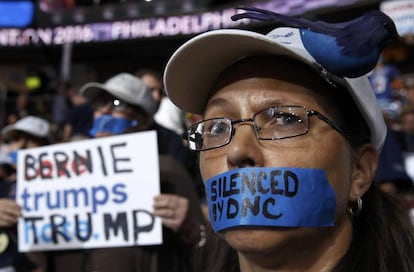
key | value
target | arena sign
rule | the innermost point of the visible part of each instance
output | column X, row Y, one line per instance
column 119, row 30
column 186, row 24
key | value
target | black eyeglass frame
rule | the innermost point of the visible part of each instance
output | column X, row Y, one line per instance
column 309, row 113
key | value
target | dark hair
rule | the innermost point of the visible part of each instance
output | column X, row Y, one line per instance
column 40, row 141
column 147, row 71
column 383, row 236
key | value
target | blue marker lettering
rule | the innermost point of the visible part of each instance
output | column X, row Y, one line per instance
column 260, row 196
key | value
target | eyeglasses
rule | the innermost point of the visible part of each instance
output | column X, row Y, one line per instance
column 274, row 123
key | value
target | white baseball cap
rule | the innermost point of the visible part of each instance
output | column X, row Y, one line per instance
column 194, row 67
column 32, row 125
column 126, row 87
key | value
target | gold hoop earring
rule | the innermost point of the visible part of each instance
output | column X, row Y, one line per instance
column 355, row 210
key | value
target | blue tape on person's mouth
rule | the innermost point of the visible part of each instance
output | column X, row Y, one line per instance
column 270, row 197
column 110, row 124
column 13, row 157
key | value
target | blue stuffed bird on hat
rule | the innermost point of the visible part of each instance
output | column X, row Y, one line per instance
column 346, row 49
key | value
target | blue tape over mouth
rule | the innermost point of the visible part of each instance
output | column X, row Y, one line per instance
column 271, row 197
column 110, row 124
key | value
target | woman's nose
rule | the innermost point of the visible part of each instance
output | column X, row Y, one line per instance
column 244, row 150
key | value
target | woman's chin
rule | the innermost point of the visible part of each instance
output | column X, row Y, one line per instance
column 246, row 239
column 266, row 240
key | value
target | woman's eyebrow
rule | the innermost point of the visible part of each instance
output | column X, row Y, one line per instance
column 218, row 102
column 267, row 103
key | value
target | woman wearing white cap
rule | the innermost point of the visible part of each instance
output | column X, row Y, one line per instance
column 288, row 152
column 28, row 132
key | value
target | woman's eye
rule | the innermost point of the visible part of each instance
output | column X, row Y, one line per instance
column 217, row 128
column 286, row 119
column 273, row 117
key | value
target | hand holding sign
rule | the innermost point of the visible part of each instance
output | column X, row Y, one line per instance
column 9, row 212
column 172, row 209
column 175, row 214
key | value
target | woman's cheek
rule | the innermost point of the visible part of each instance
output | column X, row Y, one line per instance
column 212, row 164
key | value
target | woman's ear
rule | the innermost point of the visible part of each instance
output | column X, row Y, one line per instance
column 363, row 173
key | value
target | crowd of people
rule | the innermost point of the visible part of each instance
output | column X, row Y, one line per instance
column 336, row 154
column 125, row 103
column 393, row 93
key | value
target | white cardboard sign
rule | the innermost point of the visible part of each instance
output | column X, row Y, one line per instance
column 89, row 194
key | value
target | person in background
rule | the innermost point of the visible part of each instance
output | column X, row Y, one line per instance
column 408, row 92
column 405, row 135
column 79, row 119
column 60, row 109
column 153, row 79
column 288, row 153
column 391, row 175
column 21, row 109
column 124, row 104
column 168, row 141
column 384, row 78
column 167, row 114
column 172, row 118
column 9, row 211
column 28, row 132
